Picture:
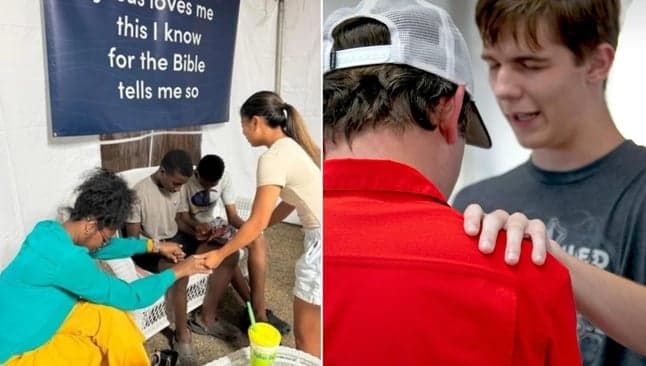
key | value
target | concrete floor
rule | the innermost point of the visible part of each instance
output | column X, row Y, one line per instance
column 285, row 245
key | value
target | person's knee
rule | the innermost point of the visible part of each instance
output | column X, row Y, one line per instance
column 105, row 310
column 306, row 339
column 300, row 333
column 307, row 316
column 177, row 292
column 164, row 264
column 117, row 318
column 231, row 261
column 181, row 284
column 258, row 244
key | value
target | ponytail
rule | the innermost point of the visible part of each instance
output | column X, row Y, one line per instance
column 279, row 114
column 295, row 128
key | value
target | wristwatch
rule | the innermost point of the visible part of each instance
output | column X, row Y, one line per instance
column 156, row 246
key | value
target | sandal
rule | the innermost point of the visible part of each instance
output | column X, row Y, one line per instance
column 283, row 327
column 220, row 329
column 185, row 353
column 164, row 357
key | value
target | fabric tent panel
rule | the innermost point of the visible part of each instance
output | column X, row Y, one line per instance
column 45, row 172
column 21, row 13
column 301, row 73
column 253, row 70
column 300, row 84
column 22, row 75
column 624, row 96
column 11, row 227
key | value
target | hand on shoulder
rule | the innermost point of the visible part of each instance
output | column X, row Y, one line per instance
column 518, row 227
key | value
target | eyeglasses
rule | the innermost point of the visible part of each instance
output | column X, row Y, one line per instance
column 204, row 198
column 104, row 240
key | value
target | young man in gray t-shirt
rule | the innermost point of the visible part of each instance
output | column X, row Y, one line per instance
column 548, row 68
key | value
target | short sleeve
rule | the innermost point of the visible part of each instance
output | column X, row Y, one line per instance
column 135, row 212
column 270, row 171
column 228, row 193
column 183, row 199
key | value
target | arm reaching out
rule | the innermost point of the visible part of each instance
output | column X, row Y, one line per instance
column 263, row 207
column 280, row 213
column 614, row 304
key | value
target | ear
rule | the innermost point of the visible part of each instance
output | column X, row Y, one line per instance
column 255, row 122
column 448, row 115
column 599, row 62
column 89, row 227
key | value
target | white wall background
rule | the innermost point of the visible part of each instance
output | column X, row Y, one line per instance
column 37, row 171
column 624, row 93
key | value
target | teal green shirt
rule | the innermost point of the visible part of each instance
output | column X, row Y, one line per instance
column 50, row 274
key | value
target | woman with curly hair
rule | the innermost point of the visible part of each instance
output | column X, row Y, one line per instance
column 58, row 307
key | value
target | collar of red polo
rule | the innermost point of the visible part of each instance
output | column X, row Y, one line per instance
column 377, row 175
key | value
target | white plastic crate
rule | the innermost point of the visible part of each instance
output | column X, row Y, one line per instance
column 154, row 318
column 158, row 316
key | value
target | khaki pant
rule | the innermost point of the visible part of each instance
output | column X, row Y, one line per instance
column 91, row 335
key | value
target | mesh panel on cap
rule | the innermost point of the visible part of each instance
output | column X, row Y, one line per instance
column 422, row 36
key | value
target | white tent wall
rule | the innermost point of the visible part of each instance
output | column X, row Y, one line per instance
column 38, row 171
column 626, row 82
column 251, row 73
column 623, row 89
column 300, row 84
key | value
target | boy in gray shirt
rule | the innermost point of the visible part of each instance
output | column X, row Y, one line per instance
column 548, row 63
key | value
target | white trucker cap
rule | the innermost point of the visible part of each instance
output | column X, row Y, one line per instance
column 422, row 35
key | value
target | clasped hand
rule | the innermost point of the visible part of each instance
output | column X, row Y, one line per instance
column 172, row 251
column 214, row 258
column 191, row 265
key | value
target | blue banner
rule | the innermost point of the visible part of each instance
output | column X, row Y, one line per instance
column 131, row 65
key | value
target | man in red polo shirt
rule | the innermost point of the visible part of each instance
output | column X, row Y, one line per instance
column 403, row 283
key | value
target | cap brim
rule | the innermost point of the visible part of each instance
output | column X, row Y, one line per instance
column 476, row 132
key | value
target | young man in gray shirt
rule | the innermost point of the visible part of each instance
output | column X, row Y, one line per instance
column 548, row 64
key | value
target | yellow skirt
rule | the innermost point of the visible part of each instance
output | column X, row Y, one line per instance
column 91, row 335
